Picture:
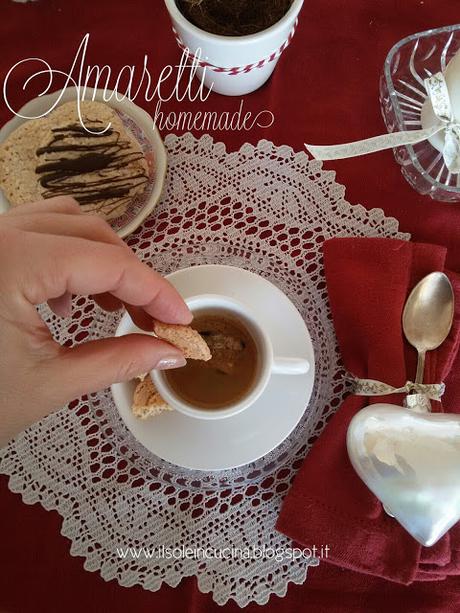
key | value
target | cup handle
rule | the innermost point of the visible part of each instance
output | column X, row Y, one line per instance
column 290, row 366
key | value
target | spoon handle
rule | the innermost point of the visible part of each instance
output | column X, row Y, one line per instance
column 420, row 367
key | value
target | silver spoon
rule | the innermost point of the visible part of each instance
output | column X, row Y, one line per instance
column 427, row 317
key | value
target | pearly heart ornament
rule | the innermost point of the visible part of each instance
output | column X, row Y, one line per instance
column 411, row 462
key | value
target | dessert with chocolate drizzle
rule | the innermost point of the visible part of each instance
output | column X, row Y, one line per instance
column 88, row 155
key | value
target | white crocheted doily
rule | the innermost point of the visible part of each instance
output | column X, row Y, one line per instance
column 266, row 209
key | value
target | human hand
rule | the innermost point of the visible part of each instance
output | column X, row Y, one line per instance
column 49, row 250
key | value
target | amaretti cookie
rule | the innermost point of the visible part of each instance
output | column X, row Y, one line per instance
column 185, row 338
column 147, row 402
column 59, row 155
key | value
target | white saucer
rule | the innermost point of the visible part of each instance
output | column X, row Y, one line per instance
column 243, row 438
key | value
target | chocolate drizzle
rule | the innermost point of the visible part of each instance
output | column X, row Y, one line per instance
column 100, row 168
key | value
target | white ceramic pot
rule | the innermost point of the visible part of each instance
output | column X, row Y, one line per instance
column 253, row 57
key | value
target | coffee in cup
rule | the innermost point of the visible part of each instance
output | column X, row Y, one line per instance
column 194, row 392
column 231, row 372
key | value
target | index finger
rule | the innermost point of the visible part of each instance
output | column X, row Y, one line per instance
column 56, row 265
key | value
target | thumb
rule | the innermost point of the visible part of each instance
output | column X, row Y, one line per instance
column 95, row 365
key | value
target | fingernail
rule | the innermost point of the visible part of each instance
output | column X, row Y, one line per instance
column 171, row 361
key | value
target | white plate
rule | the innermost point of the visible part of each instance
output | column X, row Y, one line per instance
column 144, row 131
column 240, row 439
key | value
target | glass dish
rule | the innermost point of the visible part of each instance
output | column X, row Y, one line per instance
column 402, row 94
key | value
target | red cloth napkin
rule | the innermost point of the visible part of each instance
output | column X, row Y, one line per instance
column 368, row 282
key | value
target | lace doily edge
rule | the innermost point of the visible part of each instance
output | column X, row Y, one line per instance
column 16, row 486
column 220, row 148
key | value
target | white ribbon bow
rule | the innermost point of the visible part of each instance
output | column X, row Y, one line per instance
column 372, row 387
column 438, row 93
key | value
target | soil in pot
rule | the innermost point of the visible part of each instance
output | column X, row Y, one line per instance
column 233, row 17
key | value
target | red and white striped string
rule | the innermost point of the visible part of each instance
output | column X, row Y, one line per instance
column 236, row 69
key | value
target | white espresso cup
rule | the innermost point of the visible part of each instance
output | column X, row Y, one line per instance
column 254, row 55
column 268, row 363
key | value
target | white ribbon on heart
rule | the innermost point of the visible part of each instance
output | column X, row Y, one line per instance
column 438, row 93
column 372, row 387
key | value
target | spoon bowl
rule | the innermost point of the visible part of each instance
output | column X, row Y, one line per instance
column 428, row 315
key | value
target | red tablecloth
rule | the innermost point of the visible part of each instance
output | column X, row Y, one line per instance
column 325, row 89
